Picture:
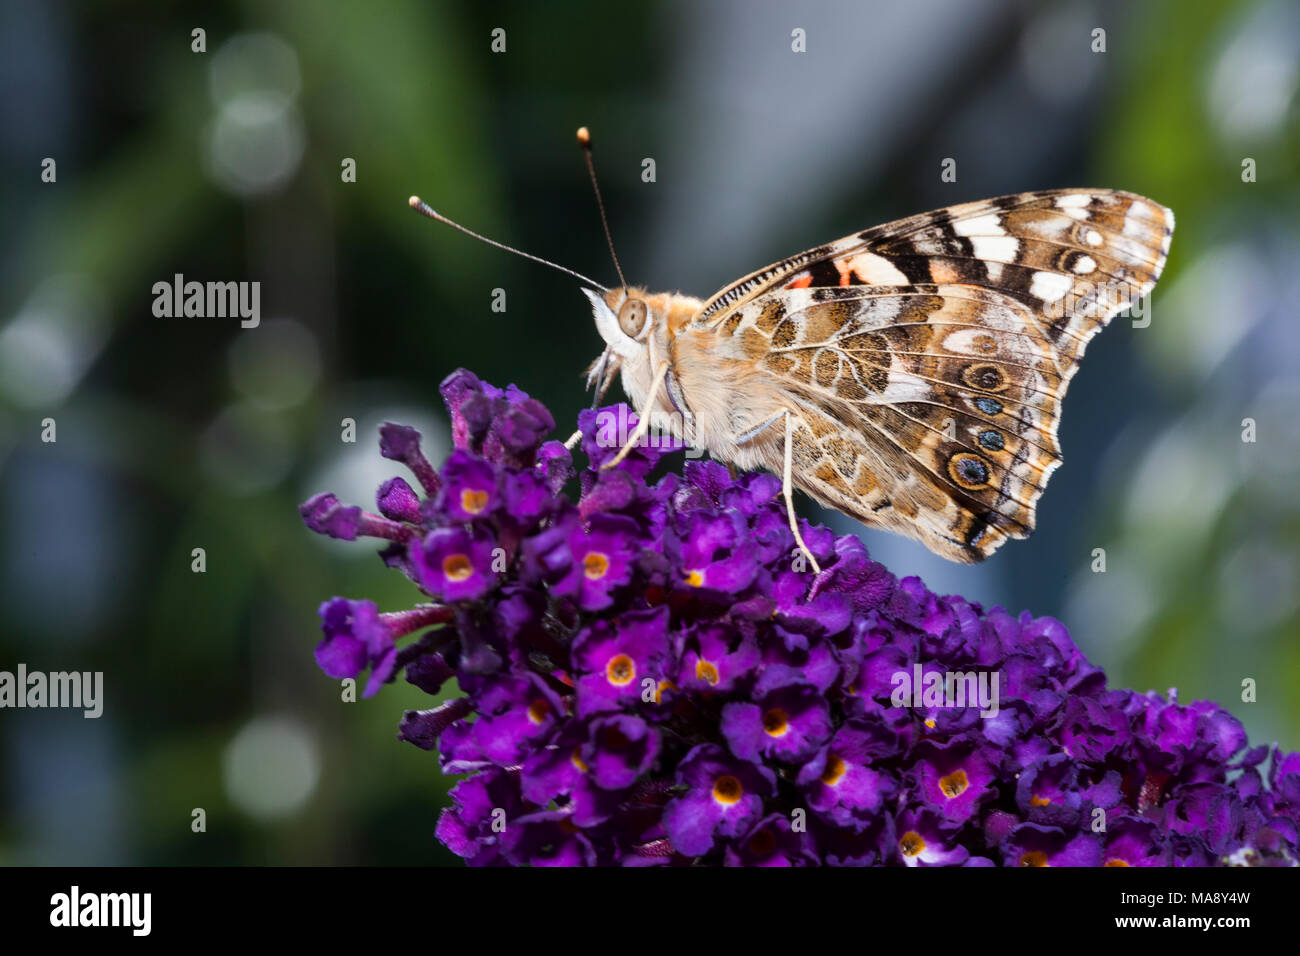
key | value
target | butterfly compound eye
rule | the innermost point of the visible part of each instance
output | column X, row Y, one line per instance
column 632, row 316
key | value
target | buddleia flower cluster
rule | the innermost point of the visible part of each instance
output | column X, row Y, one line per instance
column 652, row 675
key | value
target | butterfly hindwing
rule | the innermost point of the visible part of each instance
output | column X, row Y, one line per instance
column 927, row 358
column 951, row 405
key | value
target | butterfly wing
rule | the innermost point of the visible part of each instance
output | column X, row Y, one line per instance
column 928, row 357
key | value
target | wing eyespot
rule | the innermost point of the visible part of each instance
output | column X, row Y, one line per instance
column 969, row 471
column 985, row 378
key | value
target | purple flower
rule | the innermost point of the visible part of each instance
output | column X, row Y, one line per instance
column 517, row 432
column 513, row 714
column 842, row 786
column 1131, row 841
column 954, row 778
column 772, row 842
column 472, row 405
column 554, row 465
column 455, row 564
column 650, row 676
column 724, row 797
column 619, row 749
column 615, row 659
column 469, row 488
column 602, row 559
column 398, row 501
column 788, row 722
column 323, row 514
column 605, row 431
column 559, row 771
column 548, row 838
column 925, row 839
column 717, row 659
column 481, row 806
column 402, row 443
column 505, row 427
column 1030, row 844
column 424, row 727
column 527, row 499
column 355, row 638
column 715, row 554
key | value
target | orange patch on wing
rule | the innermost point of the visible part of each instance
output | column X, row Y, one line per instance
column 942, row 272
column 803, row 282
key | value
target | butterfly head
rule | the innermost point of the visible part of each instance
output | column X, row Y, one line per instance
column 624, row 318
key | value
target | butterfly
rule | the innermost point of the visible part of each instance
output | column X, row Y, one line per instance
column 911, row 375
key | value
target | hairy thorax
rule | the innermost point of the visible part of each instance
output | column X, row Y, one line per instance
column 725, row 391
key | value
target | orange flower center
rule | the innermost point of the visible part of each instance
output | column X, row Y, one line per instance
column 594, row 565
column 706, row 671
column 911, row 843
column 954, row 785
column 695, row 578
column 663, row 686
column 835, row 768
column 776, row 722
column 727, row 789
column 1034, row 858
column 472, row 500
column 1116, row 863
column 538, row 710
column 456, row 567
column 620, row 670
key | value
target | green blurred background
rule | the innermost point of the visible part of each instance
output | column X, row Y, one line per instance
column 225, row 165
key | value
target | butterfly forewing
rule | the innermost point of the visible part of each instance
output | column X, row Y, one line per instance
column 927, row 358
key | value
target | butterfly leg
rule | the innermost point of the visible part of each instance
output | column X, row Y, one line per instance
column 643, row 417
column 601, row 375
column 787, row 488
column 573, row 440
column 787, row 483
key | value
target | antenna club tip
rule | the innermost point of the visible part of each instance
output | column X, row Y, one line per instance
column 584, row 136
column 414, row 202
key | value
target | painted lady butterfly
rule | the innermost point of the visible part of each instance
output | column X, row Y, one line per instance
column 911, row 375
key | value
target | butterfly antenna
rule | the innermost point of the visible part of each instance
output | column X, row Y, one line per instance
column 584, row 140
column 424, row 209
